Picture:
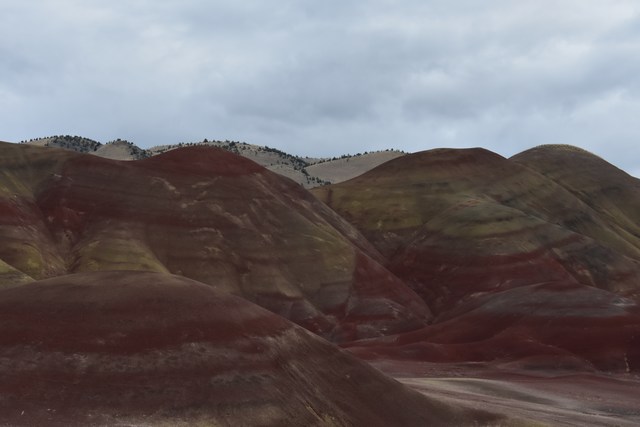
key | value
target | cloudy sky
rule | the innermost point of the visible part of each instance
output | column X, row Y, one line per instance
column 327, row 77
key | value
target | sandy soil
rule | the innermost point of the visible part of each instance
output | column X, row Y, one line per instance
column 545, row 397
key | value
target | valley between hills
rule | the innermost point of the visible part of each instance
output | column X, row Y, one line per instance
column 220, row 283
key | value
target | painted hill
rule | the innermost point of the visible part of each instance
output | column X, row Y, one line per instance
column 128, row 289
column 143, row 348
column 490, row 242
column 206, row 214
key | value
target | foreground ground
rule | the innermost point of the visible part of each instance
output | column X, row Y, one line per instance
column 541, row 397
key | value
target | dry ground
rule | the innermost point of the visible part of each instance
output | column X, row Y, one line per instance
column 545, row 397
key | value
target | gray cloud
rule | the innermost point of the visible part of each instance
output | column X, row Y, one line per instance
column 323, row 78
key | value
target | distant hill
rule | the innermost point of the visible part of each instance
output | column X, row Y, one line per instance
column 117, row 150
column 346, row 167
column 75, row 143
column 308, row 172
column 122, row 150
column 285, row 164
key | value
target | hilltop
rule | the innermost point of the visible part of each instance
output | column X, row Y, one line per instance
column 306, row 171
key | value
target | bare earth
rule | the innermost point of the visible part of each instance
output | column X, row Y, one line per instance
column 537, row 397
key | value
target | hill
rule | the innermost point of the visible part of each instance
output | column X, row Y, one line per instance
column 307, row 172
column 490, row 242
column 142, row 348
column 117, row 149
column 510, row 284
column 206, row 214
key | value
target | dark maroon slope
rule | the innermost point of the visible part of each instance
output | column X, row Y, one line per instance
column 141, row 348
column 546, row 326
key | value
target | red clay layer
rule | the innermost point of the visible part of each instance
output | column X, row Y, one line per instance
column 116, row 348
column 554, row 325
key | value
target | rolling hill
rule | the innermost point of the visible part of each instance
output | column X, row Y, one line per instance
column 308, row 172
column 206, row 214
column 492, row 242
column 195, row 285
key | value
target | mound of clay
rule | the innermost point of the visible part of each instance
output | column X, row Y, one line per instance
column 142, row 348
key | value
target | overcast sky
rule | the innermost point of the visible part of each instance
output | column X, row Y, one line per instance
column 327, row 77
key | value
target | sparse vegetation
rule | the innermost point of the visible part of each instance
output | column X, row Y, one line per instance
column 292, row 166
column 349, row 156
column 134, row 151
column 75, row 143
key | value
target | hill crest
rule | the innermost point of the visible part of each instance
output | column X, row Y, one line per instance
column 306, row 171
